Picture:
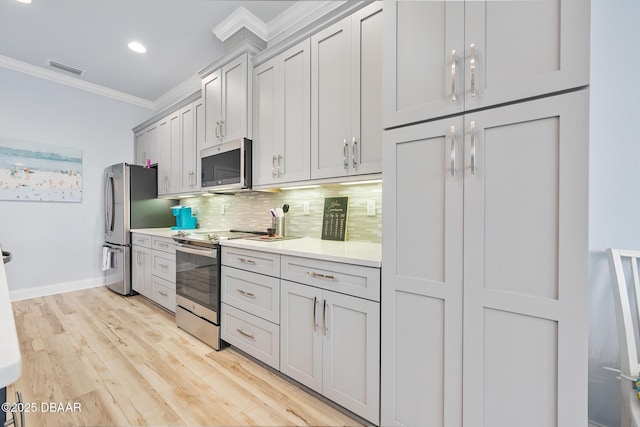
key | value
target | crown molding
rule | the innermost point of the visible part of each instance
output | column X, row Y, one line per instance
column 179, row 92
column 74, row 82
column 240, row 17
column 296, row 17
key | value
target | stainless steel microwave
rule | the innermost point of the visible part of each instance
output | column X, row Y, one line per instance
column 227, row 166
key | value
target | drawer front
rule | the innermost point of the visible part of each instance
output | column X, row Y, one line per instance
column 164, row 244
column 251, row 334
column 254, row 261
column 356, row 280
column 143, row 240
column 164, row 265
column 254, row 293
column 164, row 293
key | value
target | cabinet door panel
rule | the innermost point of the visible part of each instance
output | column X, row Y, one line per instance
column 330, row 100
column 265, row 119
column 366, row 104
column 187, row 149
column 527, row 262
column 301, row 334
column 515, row 60
column 423, row 258
column 418, row 60
column 351, row 354
column 234, row 99
column 295, row 92
column 212, row 94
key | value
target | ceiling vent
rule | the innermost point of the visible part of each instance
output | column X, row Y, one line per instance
column 67, row 68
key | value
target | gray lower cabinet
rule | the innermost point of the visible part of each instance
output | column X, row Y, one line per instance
column 330, row 342
column 153, row 270
column 316, row 321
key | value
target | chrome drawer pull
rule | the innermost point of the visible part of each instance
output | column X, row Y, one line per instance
column 164, row 294
column 246, row 293
column 246, row 334
column 321, row 276
column 163, row 265
column 247, row 261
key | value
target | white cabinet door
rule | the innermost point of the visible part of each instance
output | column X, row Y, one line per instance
column 366, row 66
column 525, row 263
column 301, row 333
column 514, row 59
column 140, row 148
column 169, row 155
column 187, row 156
column 265, row 122
column 212, row 94
column 331, row 100
column 234, row 100
column 141, row 279
column 294, row 144
column 422, row 275
column 424, row 60
column 445, row 57
column 199, row 138
column 351, row 353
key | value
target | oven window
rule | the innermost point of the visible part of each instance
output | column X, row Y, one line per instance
column 197, row 279
column 221, row 168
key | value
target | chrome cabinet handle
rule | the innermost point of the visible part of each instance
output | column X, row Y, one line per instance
column 473, row 147
column 344, row 154
column 315, row 318
column 453, row 150
column 472, row 68
column 246, row 334
column 279, row 159
column 321, row 276
column 453, row 76
column 354, row 152
column 164, row 265
column 246, row 293
column 222, row 133
column 247, row 261
column 324, row 318
column 273, row 166
column 164, row 294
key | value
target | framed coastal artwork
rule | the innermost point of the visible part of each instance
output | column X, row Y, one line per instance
column 31, row 171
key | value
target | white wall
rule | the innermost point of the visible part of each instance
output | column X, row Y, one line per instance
column 56, row 246
column 614, row 178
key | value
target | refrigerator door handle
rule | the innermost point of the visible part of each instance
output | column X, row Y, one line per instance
column 109, row 197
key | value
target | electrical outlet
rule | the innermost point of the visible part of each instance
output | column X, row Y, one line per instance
column 222, row 209
column 306, row 208
column 371, row 207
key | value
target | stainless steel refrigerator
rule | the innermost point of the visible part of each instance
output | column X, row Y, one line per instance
column 130, row 202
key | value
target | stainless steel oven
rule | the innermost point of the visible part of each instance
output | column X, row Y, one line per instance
column 198, row 291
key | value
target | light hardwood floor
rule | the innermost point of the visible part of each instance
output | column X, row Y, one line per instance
column 123, row 360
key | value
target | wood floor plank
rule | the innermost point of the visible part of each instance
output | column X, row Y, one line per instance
column 122, row 361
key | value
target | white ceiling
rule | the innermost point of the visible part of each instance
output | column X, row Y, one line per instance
column 92, row 35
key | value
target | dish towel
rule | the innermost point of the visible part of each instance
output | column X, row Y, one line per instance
column 106, row 258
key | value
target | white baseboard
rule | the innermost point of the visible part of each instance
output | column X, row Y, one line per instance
column 57, row 288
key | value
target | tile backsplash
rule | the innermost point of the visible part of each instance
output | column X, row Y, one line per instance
column 250, row 210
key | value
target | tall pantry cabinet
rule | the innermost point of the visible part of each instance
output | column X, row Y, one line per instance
column 485, row 228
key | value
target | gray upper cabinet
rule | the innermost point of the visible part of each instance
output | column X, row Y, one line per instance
column 346, row 101
column 447, row 57
column 225, row 93
column 168, row 159
column 281, row 116
column 146, row 145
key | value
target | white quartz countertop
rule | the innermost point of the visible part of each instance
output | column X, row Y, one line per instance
column 10, row 363
column 359, row 253
column 160, row 232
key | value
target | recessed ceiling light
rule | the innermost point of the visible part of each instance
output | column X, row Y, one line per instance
column 25, row 1
column 137, row 47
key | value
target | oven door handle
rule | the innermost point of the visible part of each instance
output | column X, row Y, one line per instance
column 210, row 253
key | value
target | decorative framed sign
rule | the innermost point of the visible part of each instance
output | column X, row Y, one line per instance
column 334, row 218
column 38, row 172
